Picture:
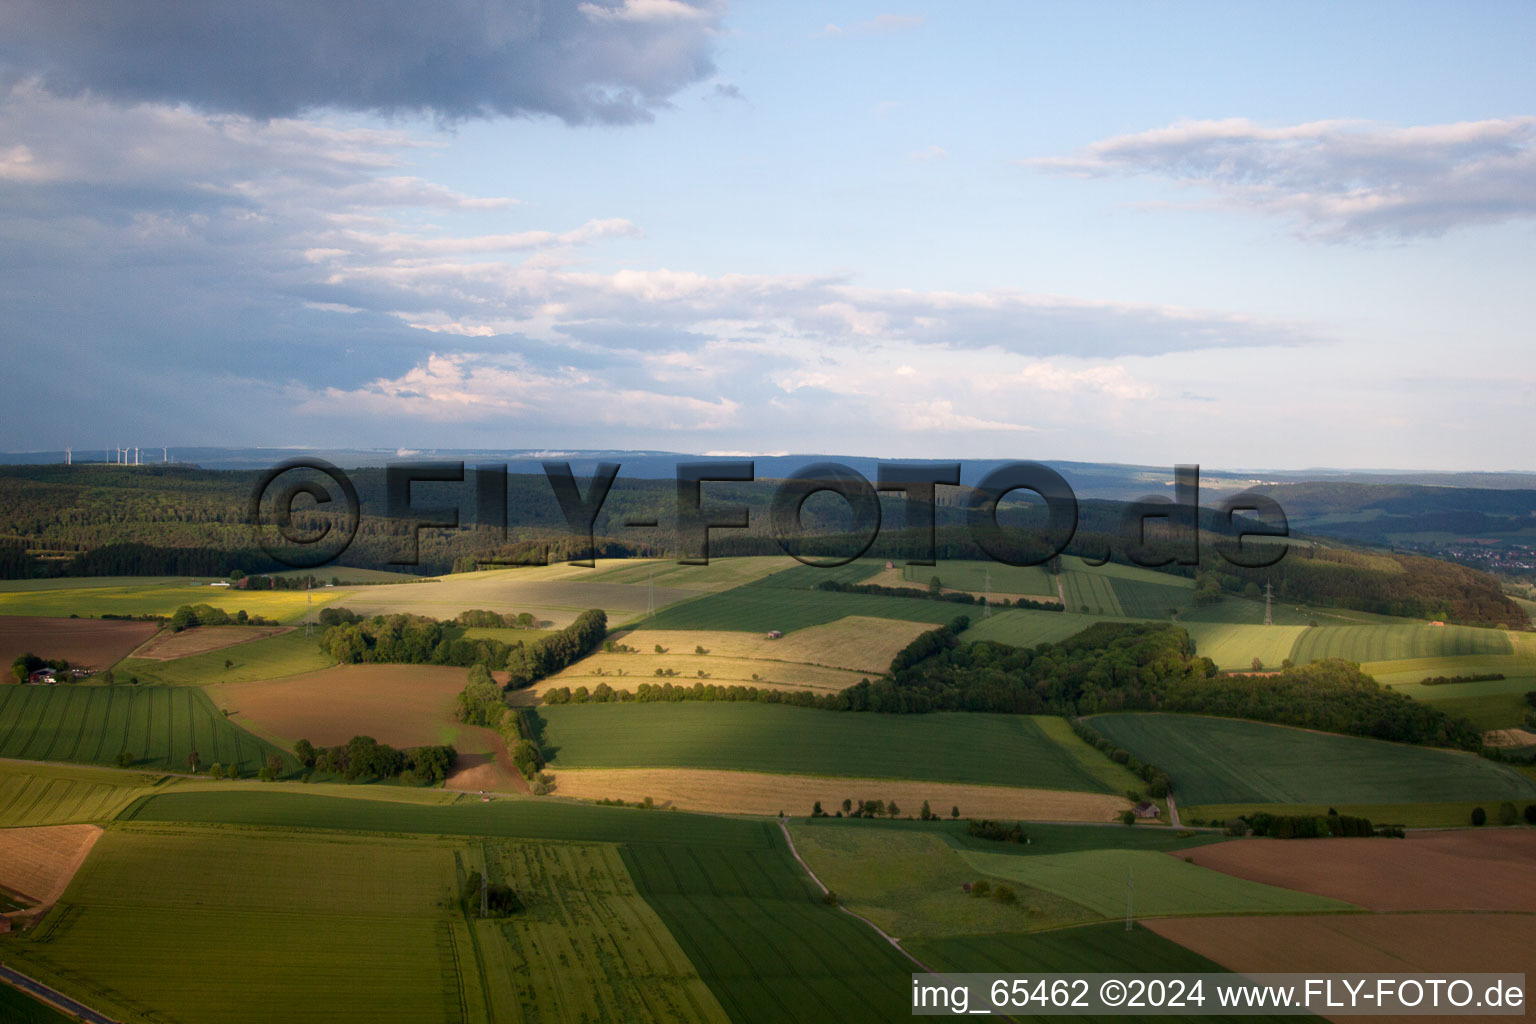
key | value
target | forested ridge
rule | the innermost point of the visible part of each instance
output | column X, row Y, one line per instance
column 97, row 520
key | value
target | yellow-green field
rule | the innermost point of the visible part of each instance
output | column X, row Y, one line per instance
column 158, row 598
column 554, row 594
column 39, row 794
column 1235, row 646
column 289, row 654
column 911, row 884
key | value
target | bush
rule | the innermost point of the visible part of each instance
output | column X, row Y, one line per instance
column 997, row 831
column 125, row 760
column 1479, row 816
column 1507, row 813
column 1530, row 814
column 1127, row 817
column 981, row 888
column 1005, row 894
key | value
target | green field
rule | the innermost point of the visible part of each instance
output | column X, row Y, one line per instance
column 1164, row 886
column 16, row 1007
column 1486, row 710
column 727, row 889
column 159, row 725
column 1115, row 778
column 288, row 654
column 1028, row 580
column 719, row 574
column 154, row 597
column 192, row 926
column 1023, row 627
column 910, row 883
column 1405, row 675
column 1396, row 642
column 1233, row 646
column 1043, row 837
column 771, row 952
column 1004, row 750
column 1090, row 593
column 1227, row 761
column 613, row 958
column 35, row 794
column 760, row 607
column 291, row 805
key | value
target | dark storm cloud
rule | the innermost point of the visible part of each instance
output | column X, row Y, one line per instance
column 612, row 61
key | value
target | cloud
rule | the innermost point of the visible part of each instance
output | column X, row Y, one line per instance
column 879, row 25
column 296, row 280
column 1337, row 179
column 455, row 59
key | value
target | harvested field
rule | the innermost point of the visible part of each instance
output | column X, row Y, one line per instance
column 860, row 643
column 402, row 705
column 168, row 646
column 1509, row 738
column 37, row 863
column 627, row 671
column 89, row 643
column 1365, row 943
column 1484, row 870
column 733, row 792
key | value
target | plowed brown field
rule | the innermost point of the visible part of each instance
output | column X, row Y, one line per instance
column 88, row 643
column 1463, row 870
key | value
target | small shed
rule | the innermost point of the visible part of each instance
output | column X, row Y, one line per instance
column 775, row 634
column 1145, row 809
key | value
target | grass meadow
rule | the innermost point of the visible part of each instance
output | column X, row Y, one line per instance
column 1163, row 886
column 269, row 658
column 911, row 883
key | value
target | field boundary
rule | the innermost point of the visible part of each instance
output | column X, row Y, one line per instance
column 880, row 931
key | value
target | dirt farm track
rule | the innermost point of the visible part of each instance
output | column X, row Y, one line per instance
column 87, row 643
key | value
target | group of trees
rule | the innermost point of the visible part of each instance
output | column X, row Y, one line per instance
column 1158, row 783
column 997, row 831
column 26, row 664
column 658, row 693
column 484, row 618
column 1475, row 677
column 417, row 640
column 495, row 898
column 189, row 615
column 1114, row 666
column 1306, row 826
column 364, row 757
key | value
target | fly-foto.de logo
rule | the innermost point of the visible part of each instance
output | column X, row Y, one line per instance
column 306, row 513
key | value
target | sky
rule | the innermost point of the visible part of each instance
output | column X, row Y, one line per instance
column 1245, row 236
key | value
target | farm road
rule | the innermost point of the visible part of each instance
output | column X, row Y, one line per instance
column 53, row 996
